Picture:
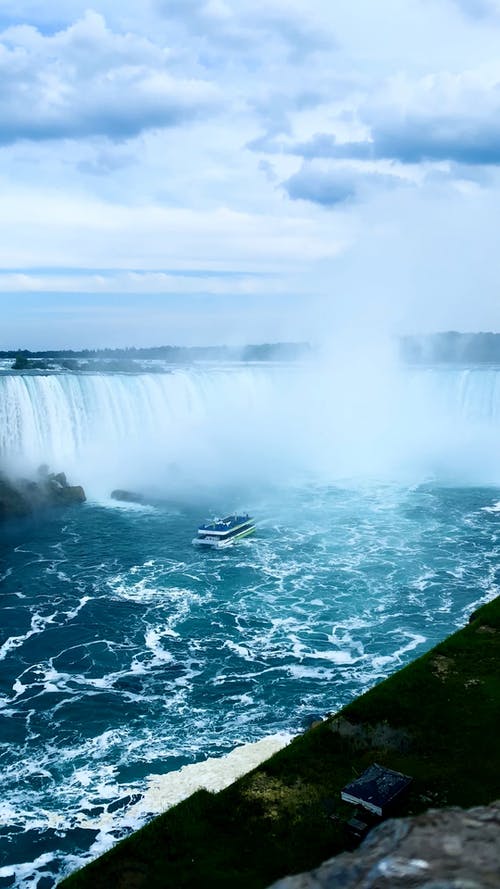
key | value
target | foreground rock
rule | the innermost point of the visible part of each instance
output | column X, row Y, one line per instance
column 441, row 849
column 23, row 497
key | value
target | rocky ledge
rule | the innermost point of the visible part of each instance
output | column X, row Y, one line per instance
column 126, row 496
column 22, row 497
column 440, row 849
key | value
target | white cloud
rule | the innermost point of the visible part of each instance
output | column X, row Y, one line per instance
column 332, row 184
column 43, row 229
column 479, row 8
column 141, row 282
column 125, row 134
column 407, row 130
column 244, row 25
column 443, row 116
column 87, row 80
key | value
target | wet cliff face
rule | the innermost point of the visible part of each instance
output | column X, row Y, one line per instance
column 441, row 849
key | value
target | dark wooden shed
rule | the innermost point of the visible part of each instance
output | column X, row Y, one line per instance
column 378, row 789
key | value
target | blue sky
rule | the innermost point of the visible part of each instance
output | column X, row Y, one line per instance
column 193, row 171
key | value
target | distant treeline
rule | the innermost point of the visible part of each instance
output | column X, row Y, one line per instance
column 174, row 354
column 451, row 347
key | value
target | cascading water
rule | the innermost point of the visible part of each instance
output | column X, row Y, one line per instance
column 236, row 423
column 137, row 426
column 126, row 654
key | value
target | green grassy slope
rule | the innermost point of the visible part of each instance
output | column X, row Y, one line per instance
column 436, row 720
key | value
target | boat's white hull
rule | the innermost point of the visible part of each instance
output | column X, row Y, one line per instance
column 214, row 543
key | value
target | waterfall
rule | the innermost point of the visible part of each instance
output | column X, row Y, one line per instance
column 227, row 423
column 132, row 427
column 463, row 395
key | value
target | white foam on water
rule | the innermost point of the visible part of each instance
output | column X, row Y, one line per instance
column 161, row 793
column 8, row 814
column 415, row 640
column 5, row 705
column 23, row 873
column 124, row 505
column 356, row 622
column 70, row 615
column 152, row 641
column 336, row 657
column 38, row 625
column 239, row 650
column 214, row 774
column 299, row 671
column 244, row 700
column 423, row 581
column 342, row 639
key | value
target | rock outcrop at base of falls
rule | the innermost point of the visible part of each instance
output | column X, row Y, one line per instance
column 126, row 496
column 23, row 496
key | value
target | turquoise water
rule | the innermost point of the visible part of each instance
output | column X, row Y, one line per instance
column 126, row 653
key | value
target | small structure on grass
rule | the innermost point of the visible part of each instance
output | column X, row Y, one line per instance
column 378, row 789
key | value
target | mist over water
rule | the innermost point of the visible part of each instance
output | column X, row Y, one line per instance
column 216, row 426
column 129, row 659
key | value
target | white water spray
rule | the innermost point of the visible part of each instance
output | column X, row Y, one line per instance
column 252, row 424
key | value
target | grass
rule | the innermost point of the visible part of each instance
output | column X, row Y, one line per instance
column 436, row 720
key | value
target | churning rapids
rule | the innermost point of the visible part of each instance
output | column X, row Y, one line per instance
column 126, row 654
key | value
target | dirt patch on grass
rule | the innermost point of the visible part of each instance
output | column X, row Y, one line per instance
column 131, row 879
column 275, row 797
column 381, row 735
column 442, row 666
column 471, row 683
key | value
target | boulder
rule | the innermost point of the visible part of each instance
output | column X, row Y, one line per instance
column 440, row 849
column 12, row 502
column 24, row 496
column 73, row 494
column 127, row 496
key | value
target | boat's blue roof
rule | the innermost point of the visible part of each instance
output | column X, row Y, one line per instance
column 225, row 524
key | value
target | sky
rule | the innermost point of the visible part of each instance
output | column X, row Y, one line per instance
column 234, row 171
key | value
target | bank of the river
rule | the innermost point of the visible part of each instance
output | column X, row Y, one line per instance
column 436, row 720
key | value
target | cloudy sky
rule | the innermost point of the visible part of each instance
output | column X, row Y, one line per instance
column 190, row 171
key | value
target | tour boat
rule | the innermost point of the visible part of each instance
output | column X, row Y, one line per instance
column 223, row 532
